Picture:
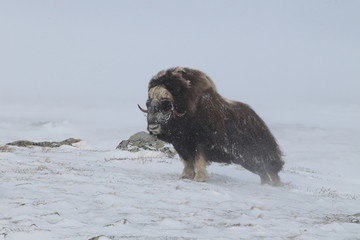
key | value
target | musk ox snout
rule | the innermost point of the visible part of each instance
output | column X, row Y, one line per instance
column 154, row 128
column 159, row 115
column 157, row 120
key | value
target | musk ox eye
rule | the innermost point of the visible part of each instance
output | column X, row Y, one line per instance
column 166, row 106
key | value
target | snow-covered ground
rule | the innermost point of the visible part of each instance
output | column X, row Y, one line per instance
column 93, row 190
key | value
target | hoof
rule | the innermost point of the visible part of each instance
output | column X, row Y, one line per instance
column 190, row 176
column 201, row 177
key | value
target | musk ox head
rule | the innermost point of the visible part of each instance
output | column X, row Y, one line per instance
column 172, row 97
column 160, row 110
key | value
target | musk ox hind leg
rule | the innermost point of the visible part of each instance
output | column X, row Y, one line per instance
column 275, row 179
column 189, row 170
column 270, row 178
column 265, row 179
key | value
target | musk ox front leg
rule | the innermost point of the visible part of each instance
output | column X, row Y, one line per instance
column 200, row 164
column 189, row 170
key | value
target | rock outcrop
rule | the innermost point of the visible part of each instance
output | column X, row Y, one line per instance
column 144, row 141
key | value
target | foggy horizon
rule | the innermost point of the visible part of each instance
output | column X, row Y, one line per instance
column 108, row 51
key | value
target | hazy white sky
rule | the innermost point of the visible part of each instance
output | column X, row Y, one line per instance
column 108, row 50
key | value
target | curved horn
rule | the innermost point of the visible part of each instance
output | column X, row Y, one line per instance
column 143, row 110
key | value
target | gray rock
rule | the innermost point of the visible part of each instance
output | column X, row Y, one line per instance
column 343, row 218
column 25, row 143
column 144, row 141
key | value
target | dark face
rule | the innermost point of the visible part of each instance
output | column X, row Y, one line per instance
column 160, row 114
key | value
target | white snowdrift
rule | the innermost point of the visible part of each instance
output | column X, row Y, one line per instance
column 72, row 193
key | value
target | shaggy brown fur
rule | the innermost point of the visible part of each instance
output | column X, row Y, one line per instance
column 211, row 128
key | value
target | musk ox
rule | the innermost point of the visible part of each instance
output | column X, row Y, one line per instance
column 185, row 109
